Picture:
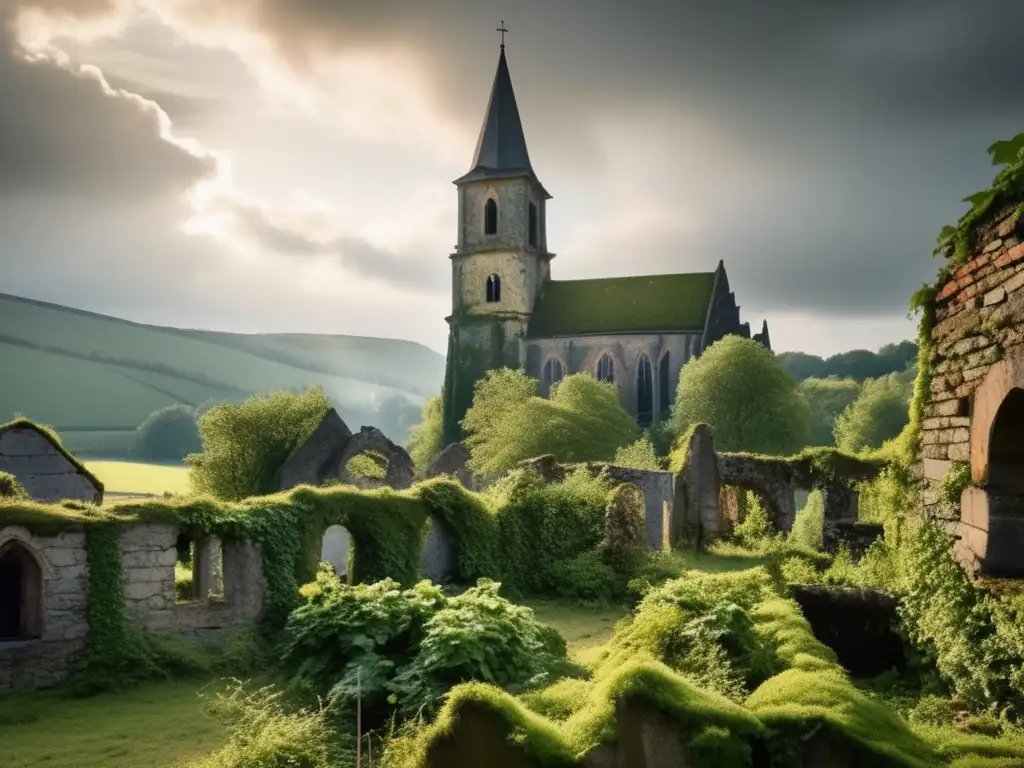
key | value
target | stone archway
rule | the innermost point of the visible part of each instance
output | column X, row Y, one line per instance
column 372, row 442
column 992, row 512
column 21, row 593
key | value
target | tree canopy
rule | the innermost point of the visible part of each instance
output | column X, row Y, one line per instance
column 245, row 444
column 743, row 393
column 508, row 422
column 857, row 364
column 169, row 434
column 826, row 399
column 426, row 439
column 878, row 414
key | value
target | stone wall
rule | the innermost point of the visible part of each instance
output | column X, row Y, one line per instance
column 41, row 469
column 582, row 353
column 977, row 362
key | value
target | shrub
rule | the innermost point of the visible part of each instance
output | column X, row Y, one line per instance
column 370, row 465
column 10, row 488
column 405, row 648
column 755, row 530
column 169, row 434
column 244, row 445
column 638, row 455
column 809, row 522
column 426, row 439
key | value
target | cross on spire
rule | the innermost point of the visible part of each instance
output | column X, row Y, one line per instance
column 503, row 31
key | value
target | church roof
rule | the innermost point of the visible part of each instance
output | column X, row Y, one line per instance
column 501, row 147
column 623, row 305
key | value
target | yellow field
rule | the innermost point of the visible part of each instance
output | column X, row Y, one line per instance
column 128, row 478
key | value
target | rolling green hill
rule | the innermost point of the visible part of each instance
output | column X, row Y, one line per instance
column 96, row 378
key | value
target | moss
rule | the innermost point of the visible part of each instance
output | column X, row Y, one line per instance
column 648, row 303
column 823, row 466
column 54, row 439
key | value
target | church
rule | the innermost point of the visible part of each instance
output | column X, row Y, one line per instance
column 507, row 311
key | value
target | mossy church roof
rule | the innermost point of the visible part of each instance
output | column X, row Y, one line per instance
column 623, row 305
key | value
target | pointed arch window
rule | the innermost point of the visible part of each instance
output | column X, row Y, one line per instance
column 552, row 373
column 665, row 385
column 493, row 289
column 605, row 368
column 491, row 216
column 21, row 593
column 644, row 391
column 533, row 225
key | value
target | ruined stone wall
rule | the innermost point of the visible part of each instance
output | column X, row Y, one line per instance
column 581, row 353
column 35, row 663
column 979, row 316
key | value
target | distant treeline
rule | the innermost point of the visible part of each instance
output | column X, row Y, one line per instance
column 858, row 364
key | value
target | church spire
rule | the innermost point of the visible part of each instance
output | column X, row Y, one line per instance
column 501, row 147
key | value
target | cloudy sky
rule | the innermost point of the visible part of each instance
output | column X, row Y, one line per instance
column 286, row 165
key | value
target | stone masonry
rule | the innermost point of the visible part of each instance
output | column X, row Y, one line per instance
column 974, row 405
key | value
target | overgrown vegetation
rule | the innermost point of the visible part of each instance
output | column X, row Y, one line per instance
column 170, row 434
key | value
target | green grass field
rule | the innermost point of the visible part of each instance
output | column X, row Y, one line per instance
column 159, row 725
column 137, row 479
column 96, row 378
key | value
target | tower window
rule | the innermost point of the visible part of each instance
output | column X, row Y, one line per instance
column 605, row 369
column 491, row 217
column 533, row 225
column 644, row 392
column 493, row 289
column 552, row 374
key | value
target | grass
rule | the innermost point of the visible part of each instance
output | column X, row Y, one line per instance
column 582, row 627
column 135, row 478
column 159, row 725
column 87, row 373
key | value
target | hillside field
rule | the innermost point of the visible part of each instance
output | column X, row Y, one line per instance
column 129, row 478
column 96, row 378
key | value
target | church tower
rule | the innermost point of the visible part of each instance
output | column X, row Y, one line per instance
column 501, row 260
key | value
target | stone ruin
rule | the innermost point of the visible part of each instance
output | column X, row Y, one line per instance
column 974, row 408
column 324, row 457
column 43, row 467
column 453, row 461
column 705, row 510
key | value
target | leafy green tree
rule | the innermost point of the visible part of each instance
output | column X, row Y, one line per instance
column 426, row 439
column 749, row 400
column 826, row 399
column 878, row 414
column 169, row 434
column 857, row 364
column 508, row 422
column 244, row 445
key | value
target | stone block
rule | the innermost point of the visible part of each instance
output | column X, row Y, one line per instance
column 959, row 452
column 995, row 296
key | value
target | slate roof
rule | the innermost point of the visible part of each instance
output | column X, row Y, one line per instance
column 623, row 305
column 51, row 437
column 501, row 147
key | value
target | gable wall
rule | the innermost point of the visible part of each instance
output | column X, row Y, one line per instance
column 42, row 470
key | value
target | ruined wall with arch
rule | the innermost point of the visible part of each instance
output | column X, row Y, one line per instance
column 974, row 407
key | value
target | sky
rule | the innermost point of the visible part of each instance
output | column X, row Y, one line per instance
column 286, row 165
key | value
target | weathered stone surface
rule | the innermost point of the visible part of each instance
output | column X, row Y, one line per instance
column 624, row 528
column 856, row 624
column 400, row 469
column 771, row 480
column 453, row 460
column 309, row 463
column 698, row 487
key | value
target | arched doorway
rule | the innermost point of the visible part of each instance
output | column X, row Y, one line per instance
column 1006, row 447
column 335, row 549
column 21, row 594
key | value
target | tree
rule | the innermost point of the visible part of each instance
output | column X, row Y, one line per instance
column 743, row 393
column 878, row 414
column 244, row 445
column 169, row 434
column 638, row 455
column 508, row 422
column 826, row 399
column 857, row 364
column 426, row 439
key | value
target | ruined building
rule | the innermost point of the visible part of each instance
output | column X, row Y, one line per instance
column 508, row 311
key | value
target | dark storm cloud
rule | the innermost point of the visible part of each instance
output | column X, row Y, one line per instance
column 871, row 116
column 356, row 254
column 63, row 135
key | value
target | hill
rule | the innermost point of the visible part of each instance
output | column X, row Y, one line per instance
column 96, row 378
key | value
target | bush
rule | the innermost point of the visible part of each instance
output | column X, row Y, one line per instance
column 638, row 455
column 169, row 434
column 244, row 445
column 10, row 488
column 810, row 521
column 403, row 649
column 426, row 439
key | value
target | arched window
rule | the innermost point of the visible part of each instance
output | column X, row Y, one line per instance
column 533, row 225
column 551, row 374
column 21, row 594
column 644, row 391
column 491, row 216
column 605, row 369
column 493, row 288
column 665, row 385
